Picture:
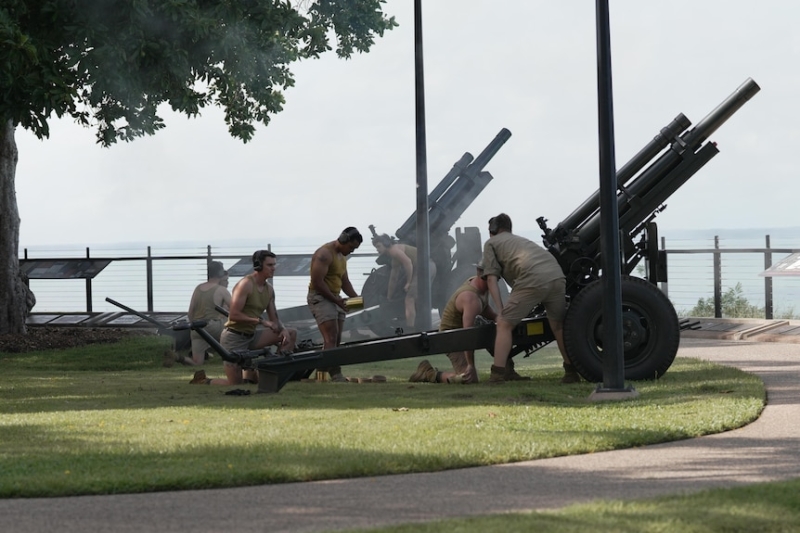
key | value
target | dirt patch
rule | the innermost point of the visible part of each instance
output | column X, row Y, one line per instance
column 50, row 338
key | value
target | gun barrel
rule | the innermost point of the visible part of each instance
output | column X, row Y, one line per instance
column 722, row 113
column 451, row 197
column 670, row 171
column 692, row 139
column 491, row 149
column 459, row 167
column 663, row 139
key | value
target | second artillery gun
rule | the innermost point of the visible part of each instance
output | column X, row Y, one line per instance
column 651, row 329
column 454, row 257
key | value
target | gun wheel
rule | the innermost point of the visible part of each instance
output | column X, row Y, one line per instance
column 650, row 331
column 584, row 270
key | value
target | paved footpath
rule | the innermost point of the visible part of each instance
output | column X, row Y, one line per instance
column 767, row 450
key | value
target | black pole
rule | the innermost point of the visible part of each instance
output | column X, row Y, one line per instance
column 613, row 355
column 149, row 270
column 423, row 232
column 88, row 288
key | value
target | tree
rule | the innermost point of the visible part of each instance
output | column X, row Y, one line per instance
column 110, row 64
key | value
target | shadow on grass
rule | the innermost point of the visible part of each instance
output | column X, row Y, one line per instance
column 58, row 461
column 41, row 471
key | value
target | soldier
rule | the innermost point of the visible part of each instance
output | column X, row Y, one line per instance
column 467, row 303
column 246, row 329
column 403, row 259
column 535, row 277
column 328, row 279
column 203, row 306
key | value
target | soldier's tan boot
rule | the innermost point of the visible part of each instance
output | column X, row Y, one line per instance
column 425, row 373
column 497, row 375
column 200, row 378
column 511, row 374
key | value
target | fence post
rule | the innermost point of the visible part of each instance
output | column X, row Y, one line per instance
column 717, row 279
column 88, row 288
column 208, row 261
column 768, row 304
column 149, row 265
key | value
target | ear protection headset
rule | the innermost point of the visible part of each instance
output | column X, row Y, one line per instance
column 258, row 259
column 500, row 222
column 348, row 235
column 493, row 226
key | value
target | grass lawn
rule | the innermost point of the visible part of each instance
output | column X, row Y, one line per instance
column 110, row 419
column 762, row 508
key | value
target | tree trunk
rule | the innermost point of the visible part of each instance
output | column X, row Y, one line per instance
column 13, row 304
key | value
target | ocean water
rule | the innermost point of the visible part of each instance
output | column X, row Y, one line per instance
column 177, row 267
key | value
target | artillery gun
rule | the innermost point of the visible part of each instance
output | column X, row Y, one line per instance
column 454, row 257
column 651, row 329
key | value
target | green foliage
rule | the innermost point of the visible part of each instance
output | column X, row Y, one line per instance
column 111, row 63
column 734, row 305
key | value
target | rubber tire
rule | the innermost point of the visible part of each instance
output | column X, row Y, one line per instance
column 651, row 331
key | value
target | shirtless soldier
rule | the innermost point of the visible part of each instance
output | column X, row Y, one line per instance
column 328, row 279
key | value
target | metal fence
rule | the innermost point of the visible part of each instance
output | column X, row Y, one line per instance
column 163, row 278
column 711, row 273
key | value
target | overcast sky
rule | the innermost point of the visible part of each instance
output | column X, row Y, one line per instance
column 343, row 150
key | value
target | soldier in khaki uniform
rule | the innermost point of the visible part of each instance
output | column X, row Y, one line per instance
column 469, row 301
column 535, row 277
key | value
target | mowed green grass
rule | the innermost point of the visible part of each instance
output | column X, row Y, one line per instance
column 758, row 508
column 110, row 419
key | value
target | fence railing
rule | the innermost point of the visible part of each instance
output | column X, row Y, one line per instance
column 164, row 280
column 711, row 274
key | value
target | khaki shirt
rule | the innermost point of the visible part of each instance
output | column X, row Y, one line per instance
column 519, row 261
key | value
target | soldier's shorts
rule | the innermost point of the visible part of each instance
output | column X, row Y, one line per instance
column 523, row 299
column 323, row 309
